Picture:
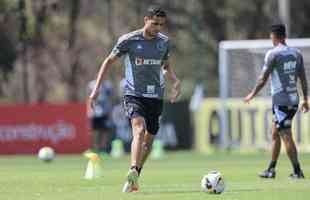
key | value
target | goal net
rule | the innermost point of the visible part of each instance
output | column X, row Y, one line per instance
column 240, row 63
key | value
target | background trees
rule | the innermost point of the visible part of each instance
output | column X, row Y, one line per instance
column 50, row 49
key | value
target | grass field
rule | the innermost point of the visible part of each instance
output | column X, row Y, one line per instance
column 176, row 177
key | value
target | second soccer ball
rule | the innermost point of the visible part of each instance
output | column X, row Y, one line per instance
column 46, row 154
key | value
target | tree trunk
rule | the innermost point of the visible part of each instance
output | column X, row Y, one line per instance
column 72, row 80
column 23, row 37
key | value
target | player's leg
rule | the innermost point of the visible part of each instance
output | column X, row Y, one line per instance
column 95, row 126
column 105, row 132
column 135, row 111
column 275, row 151
column 154, row 111
column 291, row 151
column 138, row 131
column 275, row 147
column 146, row 148
column 96, row 139
column 285, row 130
column 104, row 140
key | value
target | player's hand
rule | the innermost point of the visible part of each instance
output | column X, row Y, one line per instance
column 248, row 98
column 305, row 107
column 176, row 91
column 91, row 102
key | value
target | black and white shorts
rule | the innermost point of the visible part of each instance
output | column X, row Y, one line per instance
column 148, row 108
column 283, row 116
column 101, row 123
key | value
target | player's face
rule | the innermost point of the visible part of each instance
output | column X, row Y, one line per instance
column 154, row 24
column 274, row 39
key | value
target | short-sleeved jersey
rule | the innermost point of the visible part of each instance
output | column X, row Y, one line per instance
column 143, row 59
column 285, row 64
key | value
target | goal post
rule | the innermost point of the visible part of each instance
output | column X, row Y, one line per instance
column 240, row 63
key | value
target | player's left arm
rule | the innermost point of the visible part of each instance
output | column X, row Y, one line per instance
column 262, row 79
column 170, row 74
column 304, row 85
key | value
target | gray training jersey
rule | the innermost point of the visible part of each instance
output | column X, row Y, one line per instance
column 143, row 60
column 104, row 103
column 285, row 63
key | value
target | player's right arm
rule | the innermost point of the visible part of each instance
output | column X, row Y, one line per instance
column 100, row 77
column 304, row 85
column 262, row 79
column 119, row 49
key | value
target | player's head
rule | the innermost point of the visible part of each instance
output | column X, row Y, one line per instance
column 278, row 33
column 154, row 20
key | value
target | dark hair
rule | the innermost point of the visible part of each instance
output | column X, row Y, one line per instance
column 279, row 30
column 155, row 10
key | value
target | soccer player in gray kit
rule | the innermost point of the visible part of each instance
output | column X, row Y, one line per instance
column 146, row 54
column 285, row 65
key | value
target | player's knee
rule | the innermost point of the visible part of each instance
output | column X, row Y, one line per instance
column 275, row 136
column 286, row 137
column 138, row 131
column 138, row 127
column 147, row 146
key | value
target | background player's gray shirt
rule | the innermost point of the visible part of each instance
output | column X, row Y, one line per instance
column 104, row 103
column 143, row 60
column 285, row 64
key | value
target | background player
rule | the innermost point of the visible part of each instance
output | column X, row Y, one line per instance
column 285, row 64
column 100, row 116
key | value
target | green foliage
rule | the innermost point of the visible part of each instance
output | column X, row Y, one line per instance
column 7, row 5
column 195, row 28
column 7, row 56
column 8, row 52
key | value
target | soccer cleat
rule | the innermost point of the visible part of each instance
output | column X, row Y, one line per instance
column 294, row 176
column 131, row 185
column 271, row 173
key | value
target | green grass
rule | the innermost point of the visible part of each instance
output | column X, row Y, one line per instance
column 176, row 177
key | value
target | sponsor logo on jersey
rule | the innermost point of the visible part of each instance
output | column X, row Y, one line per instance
column 150, row 95
column 291, row 89
column 142, row 61
column 150, row 89
column 139, row 46
column 293, row 97
column 292, row 79
column 289, row 67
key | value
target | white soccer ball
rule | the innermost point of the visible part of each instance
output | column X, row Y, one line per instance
column 213, row 183
column 46, row 154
